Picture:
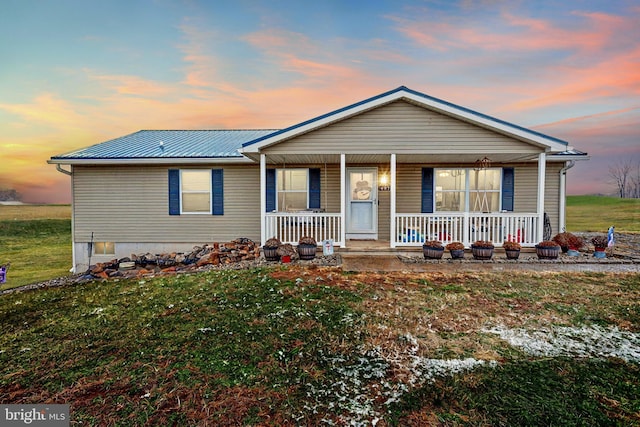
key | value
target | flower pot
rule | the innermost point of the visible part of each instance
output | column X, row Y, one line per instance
column 573, row 252
column 457, row 253
column 306, row 251
column 547, row 252
column 482, row 253
column 270, row 254
column 512, row 253
column 600, row 253
column 432, row 252
column 285, row 259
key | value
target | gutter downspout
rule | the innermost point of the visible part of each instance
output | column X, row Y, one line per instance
column 73, row 240
column 563, row 191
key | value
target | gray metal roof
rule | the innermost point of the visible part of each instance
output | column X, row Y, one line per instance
column 157, row 144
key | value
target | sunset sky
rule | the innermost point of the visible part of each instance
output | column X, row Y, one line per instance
column 75, row 73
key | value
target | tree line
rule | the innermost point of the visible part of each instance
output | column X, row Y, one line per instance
column 625, row 174
column 10, row 195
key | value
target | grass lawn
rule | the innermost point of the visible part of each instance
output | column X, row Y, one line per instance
column 320, row 347
column 598, row 213
column 36, row 240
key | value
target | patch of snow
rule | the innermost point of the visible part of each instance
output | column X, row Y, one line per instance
column 587, row 341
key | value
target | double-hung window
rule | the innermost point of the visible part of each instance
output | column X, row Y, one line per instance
column 468, row 190
column 292, row 189
column 195, row 191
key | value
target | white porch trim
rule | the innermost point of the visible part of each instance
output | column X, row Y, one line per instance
column 263, row 199
column 392, row 203
column 542, row 166
column 343, row 199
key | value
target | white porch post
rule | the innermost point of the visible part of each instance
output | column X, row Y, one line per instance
column 542, row 165
column 392, row 204
column 263, row 199
column 343, row 200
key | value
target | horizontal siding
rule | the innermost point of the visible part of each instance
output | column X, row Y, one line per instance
column 409, row 188
column 401, row 127
column 130, row 204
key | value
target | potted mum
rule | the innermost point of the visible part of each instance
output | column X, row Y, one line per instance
column 547, row 249
column 511, row 249
column 482, row 249
column 286, row 252
column 307, row 246
column 563, row 240
column 456, row 249
column 432, row 249
column 600, row 243
column 575, row 244
column 270, row 249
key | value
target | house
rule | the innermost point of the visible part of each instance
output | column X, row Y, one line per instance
column 400, row 167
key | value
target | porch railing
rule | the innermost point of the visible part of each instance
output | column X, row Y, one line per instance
column 290, row 226
column 414, row 229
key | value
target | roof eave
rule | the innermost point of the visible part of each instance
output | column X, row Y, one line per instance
column 150, row 161
column 566, row 157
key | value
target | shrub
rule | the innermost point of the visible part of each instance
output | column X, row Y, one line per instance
column 508, row 245
column 433, row 243
column 272, row 243
column 454, row 246
column 576, row 242
column 307, row 240
column 483, row 244
column 563, row 238
column 286, row 249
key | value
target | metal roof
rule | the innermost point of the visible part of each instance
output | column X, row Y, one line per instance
column 158, row 144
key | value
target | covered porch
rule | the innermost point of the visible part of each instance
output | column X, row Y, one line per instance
column 402, row 221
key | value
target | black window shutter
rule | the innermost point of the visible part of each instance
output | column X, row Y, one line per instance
column 427, row 190
column 271, row 190
column 217, row 192
column 314, row 188
column 508, row 185
column 174, row 192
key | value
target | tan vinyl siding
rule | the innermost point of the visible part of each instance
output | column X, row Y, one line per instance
column 409, row 188
column 402, row 128
column 130, row 204
column 384, row 215
column 526, row 194
column 552, row 195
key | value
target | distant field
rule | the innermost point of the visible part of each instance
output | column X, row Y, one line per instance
column 598, row 213
column 35, row 212
column 36, row 240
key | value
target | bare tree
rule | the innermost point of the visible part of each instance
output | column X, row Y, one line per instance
column 620, row 172
column 634, row 182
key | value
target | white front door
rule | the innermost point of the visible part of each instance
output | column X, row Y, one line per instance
column 362, row 203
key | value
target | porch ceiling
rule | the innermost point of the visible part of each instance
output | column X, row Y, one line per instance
column 280, row 159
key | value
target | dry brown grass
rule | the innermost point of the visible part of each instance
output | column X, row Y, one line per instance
column 25, row 212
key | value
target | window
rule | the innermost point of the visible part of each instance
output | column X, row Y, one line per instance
column 460, row 190
column 196, row 191
column 292, row 189
column 195, row 186
column 104, row 248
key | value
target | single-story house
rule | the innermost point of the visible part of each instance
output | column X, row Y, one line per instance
column 400, row 167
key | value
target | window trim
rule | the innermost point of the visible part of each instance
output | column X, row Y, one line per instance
column 278, row 191
column 209, row 192
column 466, row 190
